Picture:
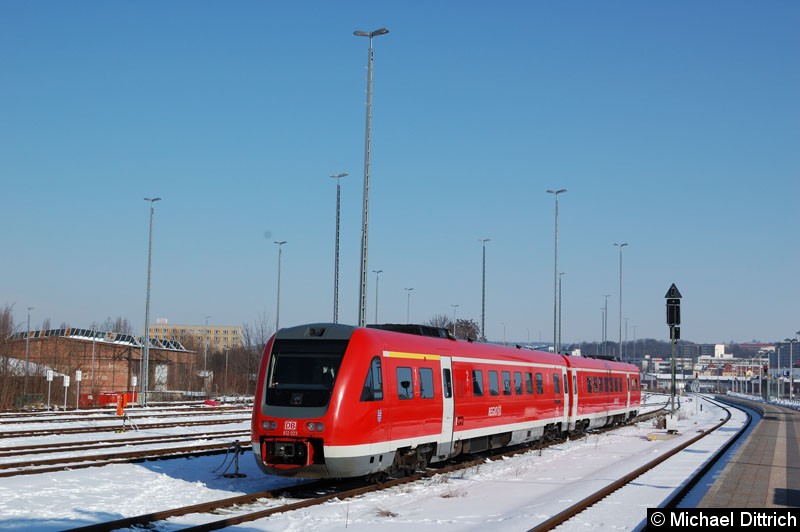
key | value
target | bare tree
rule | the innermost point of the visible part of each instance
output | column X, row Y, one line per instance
column 440, row 320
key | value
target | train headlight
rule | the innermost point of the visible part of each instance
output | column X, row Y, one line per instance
column 315, row 426
column 269, row 425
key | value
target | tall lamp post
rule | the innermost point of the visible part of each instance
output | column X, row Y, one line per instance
column 408, row 304
column 605, row 326
column 483, row 241
column 362, row 290
column 791, row 369
column 27, row 351
column 555, row 194
column 144, row 367
column 278, row 304
column 377, row 279
column 337, row 177
column 560, row 281
column 620, row 246
column 454, row 319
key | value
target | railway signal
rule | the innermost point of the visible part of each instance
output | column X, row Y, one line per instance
column 673, row 298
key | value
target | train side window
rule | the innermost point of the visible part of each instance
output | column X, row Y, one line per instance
column 518, row 382
column 589, row 384
column 595, row 387
column 556, row 383
column 448, row 383
column 404, row 388
column 539, row 384
column 426, row 383
column 494, row 383
column 528, row 383
column 373, row 385
column 506, row 383
column 477, row 382
column 574, row 384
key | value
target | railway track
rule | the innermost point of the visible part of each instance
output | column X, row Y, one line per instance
column 114, row 425
column 51, row 465
column 267, row 503
column 585, row 504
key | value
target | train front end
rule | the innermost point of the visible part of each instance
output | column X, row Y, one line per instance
column 295, row 401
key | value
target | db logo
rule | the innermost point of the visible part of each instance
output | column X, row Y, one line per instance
column 290, row 425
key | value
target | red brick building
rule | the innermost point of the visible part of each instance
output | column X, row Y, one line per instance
column 109, row 363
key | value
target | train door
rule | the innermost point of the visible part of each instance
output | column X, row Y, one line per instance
column 628, row 394
column 446, row 438
column 573, row 398
column 565, row 392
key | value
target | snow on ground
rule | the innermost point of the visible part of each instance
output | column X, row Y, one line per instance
column 510, row 494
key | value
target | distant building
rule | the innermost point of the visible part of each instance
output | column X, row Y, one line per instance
column 216, row 337
column 109, row 362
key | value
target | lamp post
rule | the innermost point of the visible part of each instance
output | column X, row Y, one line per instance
column 620, row 294
column 791, row 370
column 278, row 304
column 27, row 351
column 337, row 177
column 227, row 392
column 362, row 295
column 408, row 304
column 483, row 242
column 144, row 367
column 560, row 282
column 377, row 279
column 605, row 326
column 454, row 319
column 205, row 348
column 555, row 194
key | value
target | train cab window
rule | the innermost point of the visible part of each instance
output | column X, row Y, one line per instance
column 494, row 383
column 518, row 382
column 506, row 383
column 557, row 383
column 477, row 382
column 448, row 383
column 539, row 384
column 373, row 385
column 528, row 383
column 404, row 386
column 426, row 383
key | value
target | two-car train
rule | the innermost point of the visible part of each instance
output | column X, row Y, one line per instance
column 341, row 401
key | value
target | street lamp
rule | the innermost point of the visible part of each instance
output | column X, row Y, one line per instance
column 483, row 241
column 278, row 304
column 555, row 194
column 605, row 326
column 27, row 351
column 377, row 279
column 454, row 319
column 620, row 295
column 144, row 367
column 337, row 177
column 408, row 304
column 205, row 348
column 362, row 295
column 560, row 282
column 791, row 369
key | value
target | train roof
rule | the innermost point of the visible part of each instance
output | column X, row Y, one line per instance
column 424, row 338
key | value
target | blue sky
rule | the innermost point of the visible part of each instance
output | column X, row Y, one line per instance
column 674, row 126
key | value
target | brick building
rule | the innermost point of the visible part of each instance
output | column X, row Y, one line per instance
column 109, row 362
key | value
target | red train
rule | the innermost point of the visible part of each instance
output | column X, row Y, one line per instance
column 342, row 401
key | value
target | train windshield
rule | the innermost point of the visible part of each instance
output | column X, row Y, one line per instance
column 302, row 372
